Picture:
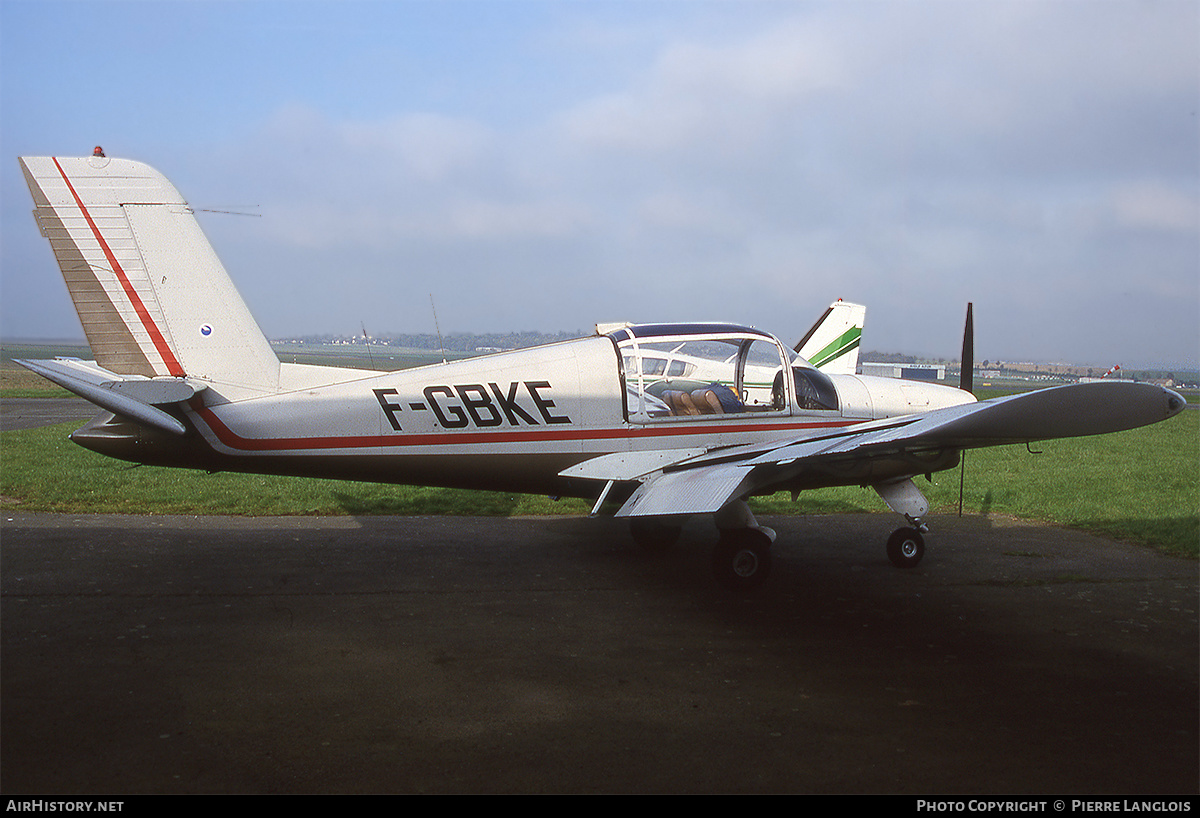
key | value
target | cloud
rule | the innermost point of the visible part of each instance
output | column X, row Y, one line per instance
column 708, row 99
column 913, row 159
column 403, row 178
column 749, row 162
column 431, row 148
column 1154, row 206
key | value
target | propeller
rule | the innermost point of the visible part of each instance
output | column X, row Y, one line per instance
column 966, row 382
column 967, row 375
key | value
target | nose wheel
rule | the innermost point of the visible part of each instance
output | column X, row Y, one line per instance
column 906, row 547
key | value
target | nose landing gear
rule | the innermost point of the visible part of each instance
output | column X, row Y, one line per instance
column 905, row 547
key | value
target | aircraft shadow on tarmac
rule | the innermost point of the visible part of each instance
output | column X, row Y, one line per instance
column 552, row 654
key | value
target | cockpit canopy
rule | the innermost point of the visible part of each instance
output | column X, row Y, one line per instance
column 675, row 370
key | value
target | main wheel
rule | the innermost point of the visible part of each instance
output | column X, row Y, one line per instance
column 653, row 534
column 742, row 559
column 905, row 547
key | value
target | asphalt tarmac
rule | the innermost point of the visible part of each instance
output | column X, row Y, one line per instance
column 31, row 413
column 473, row 655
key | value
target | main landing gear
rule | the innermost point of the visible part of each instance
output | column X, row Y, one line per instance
column 742, row 559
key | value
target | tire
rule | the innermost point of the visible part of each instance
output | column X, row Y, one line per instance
column 742, row 560
column 905, row 547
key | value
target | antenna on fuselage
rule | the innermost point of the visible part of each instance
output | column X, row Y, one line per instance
column 438, row 328
column 367, row 341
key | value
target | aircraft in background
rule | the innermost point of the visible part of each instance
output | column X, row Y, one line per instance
column 189, row 380
column 832, row 344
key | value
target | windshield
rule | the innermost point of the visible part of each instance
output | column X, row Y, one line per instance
column 706, row 374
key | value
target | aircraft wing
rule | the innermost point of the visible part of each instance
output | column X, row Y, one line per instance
column 703, row 484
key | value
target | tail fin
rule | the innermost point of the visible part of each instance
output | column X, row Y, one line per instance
column 832, row 343
column 150, row 291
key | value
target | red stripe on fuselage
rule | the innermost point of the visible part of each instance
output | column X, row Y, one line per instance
column 160, row 343
column 279, row 444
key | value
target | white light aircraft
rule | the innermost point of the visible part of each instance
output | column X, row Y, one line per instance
column 189, row 380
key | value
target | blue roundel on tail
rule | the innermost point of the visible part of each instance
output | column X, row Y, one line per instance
column 206, row 330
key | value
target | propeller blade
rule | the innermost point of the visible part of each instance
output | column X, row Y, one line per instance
column 967, row 376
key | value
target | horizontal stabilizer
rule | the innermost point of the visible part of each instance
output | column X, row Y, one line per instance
column 134, row 397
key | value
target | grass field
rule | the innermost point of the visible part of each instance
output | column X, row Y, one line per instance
column 1142, row 486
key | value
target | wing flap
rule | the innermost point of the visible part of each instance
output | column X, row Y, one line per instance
column 695, row 491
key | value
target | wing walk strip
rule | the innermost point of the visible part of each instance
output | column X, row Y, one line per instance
column 143, row 314
column 235, row 441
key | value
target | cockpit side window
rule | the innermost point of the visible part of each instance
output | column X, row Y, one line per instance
column 654, row 366
column 699, row 375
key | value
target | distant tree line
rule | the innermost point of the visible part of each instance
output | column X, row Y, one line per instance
column 890, row 358
column 471, row 341
column 455, row 341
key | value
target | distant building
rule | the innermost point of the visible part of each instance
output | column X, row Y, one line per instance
column 909, row 372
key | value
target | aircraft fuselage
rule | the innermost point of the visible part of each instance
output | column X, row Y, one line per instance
column 510, row 421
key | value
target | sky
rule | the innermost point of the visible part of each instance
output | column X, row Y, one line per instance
column 535, row 165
